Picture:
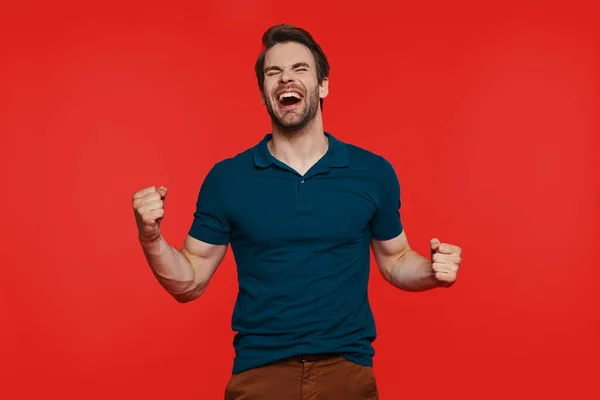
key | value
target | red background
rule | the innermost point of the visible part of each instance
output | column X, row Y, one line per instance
column 488, row 113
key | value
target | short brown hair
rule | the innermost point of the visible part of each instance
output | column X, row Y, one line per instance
column 289, row 33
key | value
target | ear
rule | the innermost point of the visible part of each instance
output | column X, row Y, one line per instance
column 324, row 88
column 262, row 98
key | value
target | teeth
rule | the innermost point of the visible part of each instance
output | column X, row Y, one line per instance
column 288, row 94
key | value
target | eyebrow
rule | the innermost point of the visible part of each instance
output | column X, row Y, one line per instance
column 296, row 65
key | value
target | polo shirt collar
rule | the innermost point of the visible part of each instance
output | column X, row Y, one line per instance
column 336, row 156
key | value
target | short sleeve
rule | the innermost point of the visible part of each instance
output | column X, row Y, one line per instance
column 210, row 222
column 386, row 223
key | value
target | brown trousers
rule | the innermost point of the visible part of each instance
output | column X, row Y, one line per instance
column 305, row 378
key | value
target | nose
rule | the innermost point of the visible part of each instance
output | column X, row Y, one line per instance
column 286, row 76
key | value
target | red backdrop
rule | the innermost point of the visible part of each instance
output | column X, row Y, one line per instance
column 489, row 115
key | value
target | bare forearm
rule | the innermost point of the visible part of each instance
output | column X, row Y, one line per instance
column 413, row 273
column 172, row 270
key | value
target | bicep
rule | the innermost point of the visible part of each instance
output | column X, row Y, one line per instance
column 388, row 252
column 204, row 257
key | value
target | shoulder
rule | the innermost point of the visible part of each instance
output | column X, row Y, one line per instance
column 377, row 164
column 375, row 168
column 225, row 175
column 231, row 167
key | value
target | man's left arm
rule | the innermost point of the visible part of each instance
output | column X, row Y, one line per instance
column 398, row 263
column 407, row 270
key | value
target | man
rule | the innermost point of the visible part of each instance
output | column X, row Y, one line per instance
column 301, row 210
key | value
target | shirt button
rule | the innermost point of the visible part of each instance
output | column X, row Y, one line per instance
column 302, row 181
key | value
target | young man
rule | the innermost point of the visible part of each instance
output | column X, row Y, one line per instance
column 301, row 210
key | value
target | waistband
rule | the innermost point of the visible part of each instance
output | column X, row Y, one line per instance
column 312, row 357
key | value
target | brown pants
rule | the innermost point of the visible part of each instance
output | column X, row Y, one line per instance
column 305, row 378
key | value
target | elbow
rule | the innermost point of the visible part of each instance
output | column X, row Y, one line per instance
column 180, row 298
column 190, row 295
column 183, row 300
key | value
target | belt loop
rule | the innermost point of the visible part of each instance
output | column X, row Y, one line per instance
column 301, row 359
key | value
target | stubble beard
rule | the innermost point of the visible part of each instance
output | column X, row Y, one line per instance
column 292, row 122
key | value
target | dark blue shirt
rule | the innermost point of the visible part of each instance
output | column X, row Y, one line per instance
column 302, row 248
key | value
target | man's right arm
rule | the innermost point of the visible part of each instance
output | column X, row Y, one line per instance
column 184, row 273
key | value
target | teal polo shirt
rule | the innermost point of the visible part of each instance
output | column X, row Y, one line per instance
column 302, row 248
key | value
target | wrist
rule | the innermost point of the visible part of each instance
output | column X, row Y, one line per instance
column 152, row 245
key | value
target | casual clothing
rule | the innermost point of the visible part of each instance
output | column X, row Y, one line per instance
column 302, row 249
column 333, row 378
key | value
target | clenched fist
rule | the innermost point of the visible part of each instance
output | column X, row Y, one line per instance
column 445, row 259
column 148, row 206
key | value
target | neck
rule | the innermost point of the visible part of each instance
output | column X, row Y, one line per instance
column 302, row 148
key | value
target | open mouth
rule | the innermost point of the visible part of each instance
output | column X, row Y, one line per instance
column 289, row 99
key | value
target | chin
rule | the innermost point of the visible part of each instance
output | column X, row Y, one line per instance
column 290, row 120
column 294, row 123
column 295, row 127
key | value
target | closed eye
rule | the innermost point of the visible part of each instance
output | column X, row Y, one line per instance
column 298, row 67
